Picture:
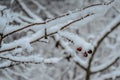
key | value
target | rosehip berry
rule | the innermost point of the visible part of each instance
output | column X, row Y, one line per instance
column 90, row 51
column 79, row 49
column 85, row 54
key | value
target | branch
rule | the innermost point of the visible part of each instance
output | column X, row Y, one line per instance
column 42, row 8
column 111, row 75
column 104, row 67
column 32, row 59
column 4, row 36
column 93, row 9
column 6, row 64
column 27, row 11
column 13, row 61
column 17, row 74
column 75, row 58
column 110, row 28
column 38, row 35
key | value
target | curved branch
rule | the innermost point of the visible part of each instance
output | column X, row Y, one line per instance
column 110, row 28
column 108, row 66
column 109, row 76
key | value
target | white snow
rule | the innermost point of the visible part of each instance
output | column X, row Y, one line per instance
column 108, row 28
column 77, row 40
column 31, row 59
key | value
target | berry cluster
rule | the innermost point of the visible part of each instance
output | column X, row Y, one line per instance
column 85, row 53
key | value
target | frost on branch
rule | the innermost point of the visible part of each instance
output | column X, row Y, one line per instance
column 27, row 39
column 78, row 42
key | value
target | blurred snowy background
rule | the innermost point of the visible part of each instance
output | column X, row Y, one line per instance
column 105, row 65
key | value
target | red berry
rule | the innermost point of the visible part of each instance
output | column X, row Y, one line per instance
column 79, row 49
column 85, row 54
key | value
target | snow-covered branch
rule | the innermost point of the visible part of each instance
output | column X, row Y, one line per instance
column 111, row 75
column 93, row 9
column 36, row 36
column 63, row 37
column 103, row 66
column 112, row 26
column 71, row 52
column 28, row 11
column 31, row 59
column 109, row 28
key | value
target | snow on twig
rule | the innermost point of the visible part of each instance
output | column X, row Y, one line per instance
column 108, row 29
column 28, row 11
column 111, row 27
column 94, row 9
column 31, row 59
column 36, row 36
column 111, row 75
